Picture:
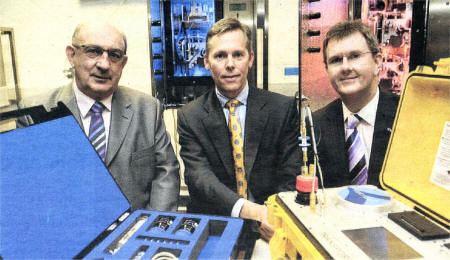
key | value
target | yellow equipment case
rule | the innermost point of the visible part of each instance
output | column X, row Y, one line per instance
column 419, row 148
column 415, row 175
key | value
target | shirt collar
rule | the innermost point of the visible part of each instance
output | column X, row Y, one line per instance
column 368, row 112
column 85, row 103
column 242, row 97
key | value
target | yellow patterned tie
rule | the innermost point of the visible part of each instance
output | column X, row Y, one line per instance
column 238, row 145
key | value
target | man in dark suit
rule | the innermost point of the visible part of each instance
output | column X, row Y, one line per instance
column 269, row 133
column 352, row 59
column 139, row 154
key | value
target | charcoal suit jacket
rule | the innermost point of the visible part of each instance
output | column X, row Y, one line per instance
column 330, row 135
column 271, row 152
column 139, row 156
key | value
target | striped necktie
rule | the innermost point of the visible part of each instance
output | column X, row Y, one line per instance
column 97, row 134
column 238, row 148
column 356, row 151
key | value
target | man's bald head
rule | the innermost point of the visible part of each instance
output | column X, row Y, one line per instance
column 98, row 56
column 92, row 26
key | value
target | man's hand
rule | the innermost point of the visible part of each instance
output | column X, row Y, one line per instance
column 251, row 210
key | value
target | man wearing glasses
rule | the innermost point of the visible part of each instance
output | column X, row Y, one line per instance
column 125, row 126
column 353, row 131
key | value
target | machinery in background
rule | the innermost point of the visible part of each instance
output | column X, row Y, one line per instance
column 410, row 33
column 178, row 31
column 178, row 45
column 316, row 18
column 190, row 24
column 391, row 21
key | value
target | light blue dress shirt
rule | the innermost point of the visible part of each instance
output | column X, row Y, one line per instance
column 240, row 110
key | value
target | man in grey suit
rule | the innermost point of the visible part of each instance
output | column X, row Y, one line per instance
column 269, row 123
column 139, row 154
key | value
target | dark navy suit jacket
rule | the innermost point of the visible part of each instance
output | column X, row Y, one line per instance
column 333, row 157
column 271, row 152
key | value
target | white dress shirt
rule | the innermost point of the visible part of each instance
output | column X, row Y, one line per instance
column 84, row 106
column 366, row 126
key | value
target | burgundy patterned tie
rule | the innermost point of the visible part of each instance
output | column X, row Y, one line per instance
column 97, row 134
column 356, row 151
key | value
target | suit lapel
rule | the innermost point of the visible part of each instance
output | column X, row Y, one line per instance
column 382, row 130
column 67, row 96
column 121, row 114
column 215, row 124
column 335, row 125
column 255, row 123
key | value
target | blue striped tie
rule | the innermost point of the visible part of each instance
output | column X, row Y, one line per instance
column 356, row 151
column 97, row 134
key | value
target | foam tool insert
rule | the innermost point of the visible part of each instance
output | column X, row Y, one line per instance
column 146, row 234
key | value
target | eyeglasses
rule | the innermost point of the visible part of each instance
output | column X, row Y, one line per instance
column 94, row 51
column 353, row 58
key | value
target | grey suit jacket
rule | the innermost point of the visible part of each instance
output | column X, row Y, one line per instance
column 140, row 156
column 271, row 152
column 330, row 135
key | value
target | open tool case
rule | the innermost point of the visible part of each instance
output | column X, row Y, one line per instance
column 58, row 201
column 416, row 169
column 410, row 218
